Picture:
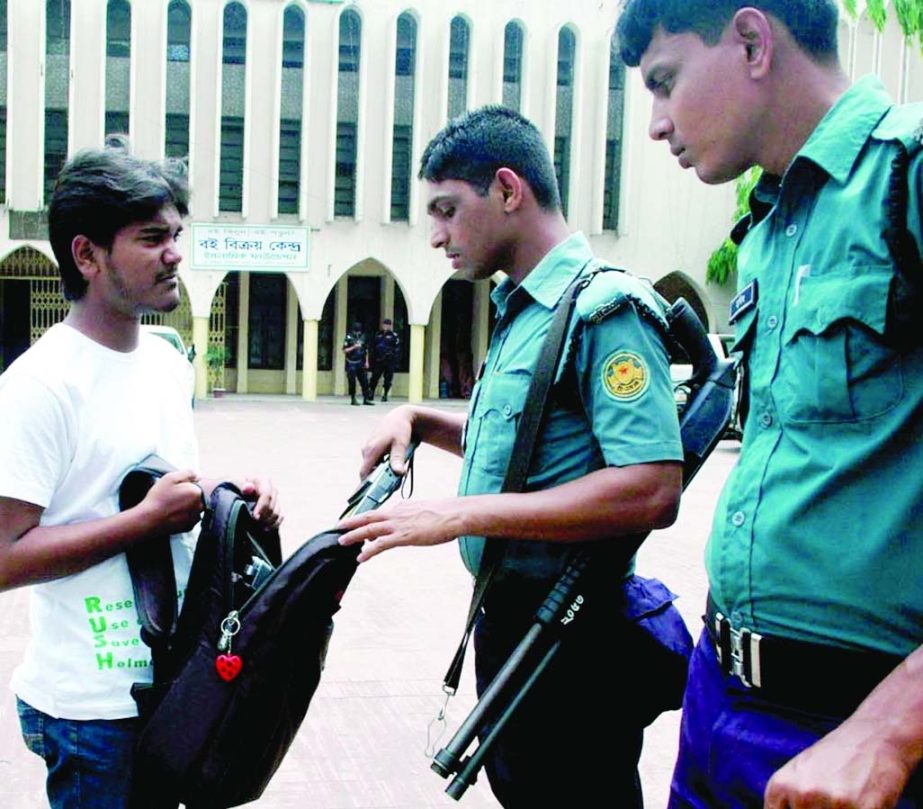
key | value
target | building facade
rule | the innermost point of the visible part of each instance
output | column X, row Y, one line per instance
column 303, row 124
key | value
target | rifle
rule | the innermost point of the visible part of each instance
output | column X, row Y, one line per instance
column 703, row 420
column 380, row 484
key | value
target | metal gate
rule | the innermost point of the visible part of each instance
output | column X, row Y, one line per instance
column 47, row 305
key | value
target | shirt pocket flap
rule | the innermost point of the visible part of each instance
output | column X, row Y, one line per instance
column 860, row 294
column 506, row 395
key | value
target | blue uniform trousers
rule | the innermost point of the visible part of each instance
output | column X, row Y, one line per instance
column 732, row 740
column 379, row 370
column 357, row 372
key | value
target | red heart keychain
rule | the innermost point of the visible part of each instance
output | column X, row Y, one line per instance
column 228, row 666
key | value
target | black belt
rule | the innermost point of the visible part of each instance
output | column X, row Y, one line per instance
column 808, row 676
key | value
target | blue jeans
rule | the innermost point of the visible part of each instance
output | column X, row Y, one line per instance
column 89, row 761
column 732, row 740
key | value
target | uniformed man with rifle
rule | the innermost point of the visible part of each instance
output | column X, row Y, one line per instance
column 607, row 466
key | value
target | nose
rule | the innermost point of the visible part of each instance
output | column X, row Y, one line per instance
column 437, row 235
column 661, row 126
column 172, row 254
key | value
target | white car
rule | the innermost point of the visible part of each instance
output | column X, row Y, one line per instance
column 173, row 337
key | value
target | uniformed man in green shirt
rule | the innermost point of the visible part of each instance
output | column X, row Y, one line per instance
column 806, row 689
column 607, row 464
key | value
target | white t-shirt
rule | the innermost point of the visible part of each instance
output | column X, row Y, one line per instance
column 74, row 417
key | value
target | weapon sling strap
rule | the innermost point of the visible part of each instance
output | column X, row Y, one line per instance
column 517, row 470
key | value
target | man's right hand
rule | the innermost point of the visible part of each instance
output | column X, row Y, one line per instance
column 175, row 502
column 391, row 436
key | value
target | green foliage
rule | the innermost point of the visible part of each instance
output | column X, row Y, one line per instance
column 909, row 14
column 722, row 264
column 215, row 358
column 877, row 13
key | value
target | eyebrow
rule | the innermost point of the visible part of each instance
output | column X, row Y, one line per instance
column 436, row 201
column 157, row 228
column 661, row 64
column 651, row 77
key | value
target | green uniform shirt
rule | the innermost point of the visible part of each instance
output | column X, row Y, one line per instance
column 818, row 534
column 613, row 404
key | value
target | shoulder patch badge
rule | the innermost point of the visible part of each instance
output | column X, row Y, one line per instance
column 625, row 376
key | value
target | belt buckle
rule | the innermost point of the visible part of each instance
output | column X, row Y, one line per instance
column 738, row 651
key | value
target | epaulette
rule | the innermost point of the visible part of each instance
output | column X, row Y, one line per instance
column 609, row 289
column 902, row 122
column 606, row 291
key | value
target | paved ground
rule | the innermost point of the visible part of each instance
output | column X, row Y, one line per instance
column 364, row 741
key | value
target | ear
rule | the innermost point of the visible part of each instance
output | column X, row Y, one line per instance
column 753, row 31
column 83, row 251
column 510, row 185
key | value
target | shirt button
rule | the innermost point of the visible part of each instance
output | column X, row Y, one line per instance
column 507, row 409
column 766, row 419
column 791, row 230
column 772, row 322
column 739, row 518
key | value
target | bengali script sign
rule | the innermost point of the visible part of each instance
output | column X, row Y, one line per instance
column 249, row 247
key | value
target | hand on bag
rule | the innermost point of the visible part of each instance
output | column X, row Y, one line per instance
column 263, row 493
column 424, row 523
column 176, row 500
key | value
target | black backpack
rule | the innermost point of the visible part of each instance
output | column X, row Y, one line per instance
column 235, row 672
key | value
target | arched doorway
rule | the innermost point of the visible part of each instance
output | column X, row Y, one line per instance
column 366, row 293
column 679, row 285
column 456, row 357
column 31, row 301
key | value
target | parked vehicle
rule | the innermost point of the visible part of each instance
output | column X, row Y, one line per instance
column 680, row 373
column 173, row 337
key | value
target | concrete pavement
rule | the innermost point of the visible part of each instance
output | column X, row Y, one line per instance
column 364, row 740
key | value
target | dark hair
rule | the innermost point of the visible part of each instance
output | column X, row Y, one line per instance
column 101, row 191
column 357, row 325
column 474, row 145
column 812, row 23
column 386, row 321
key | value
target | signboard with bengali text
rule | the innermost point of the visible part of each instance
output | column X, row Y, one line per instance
column 255, row 248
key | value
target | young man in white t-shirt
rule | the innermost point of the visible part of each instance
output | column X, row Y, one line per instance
column 91, row 398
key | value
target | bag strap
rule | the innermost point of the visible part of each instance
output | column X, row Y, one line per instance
column 229, row 519
column 151, row 563
column 517, row 470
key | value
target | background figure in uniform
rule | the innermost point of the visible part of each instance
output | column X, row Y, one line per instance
column 355, row 350
column 386, row 351
column 608, row 466
column 806, row 687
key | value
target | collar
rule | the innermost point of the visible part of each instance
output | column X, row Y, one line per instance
column 546, row 282
column 838, row 139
